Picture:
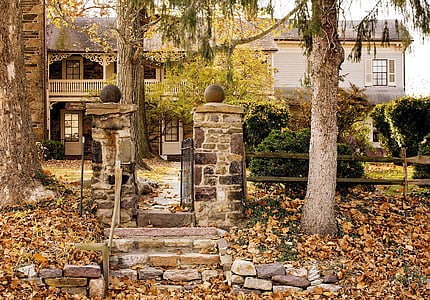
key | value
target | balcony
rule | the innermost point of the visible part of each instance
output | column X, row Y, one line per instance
column 81, row 87
column 74, row 87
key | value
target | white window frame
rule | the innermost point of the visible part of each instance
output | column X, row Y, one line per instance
column 391, row 72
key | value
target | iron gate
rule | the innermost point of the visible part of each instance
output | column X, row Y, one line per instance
column 187, row 173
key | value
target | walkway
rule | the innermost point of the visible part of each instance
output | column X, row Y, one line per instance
column 167, row 195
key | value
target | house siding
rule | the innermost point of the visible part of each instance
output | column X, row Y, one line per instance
column 356, row 71
column 290, row 63
column 33, row 22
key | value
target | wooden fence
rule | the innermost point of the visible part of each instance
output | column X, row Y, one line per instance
column 404, row 161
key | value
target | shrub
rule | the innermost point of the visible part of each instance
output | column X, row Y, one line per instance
column 423, row 171
column 296, row 142
column 406, row 121
column 353, row 109
column 384, row 132
column 287, row 141
column 52, row 150
column 347, row 168
column 260, row 118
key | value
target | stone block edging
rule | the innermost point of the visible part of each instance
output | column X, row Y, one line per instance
column 245, row 276
column 74, row 279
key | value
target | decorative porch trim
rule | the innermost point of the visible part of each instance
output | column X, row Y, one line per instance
column 102, row 59
column 53, row 57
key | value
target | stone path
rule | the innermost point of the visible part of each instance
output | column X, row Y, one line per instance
column 167, row 195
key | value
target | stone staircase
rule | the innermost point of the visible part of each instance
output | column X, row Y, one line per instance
column 170, row 255
column 164, row 218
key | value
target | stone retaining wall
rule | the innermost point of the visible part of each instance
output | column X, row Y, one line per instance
column 246, row 277
column 74, row 279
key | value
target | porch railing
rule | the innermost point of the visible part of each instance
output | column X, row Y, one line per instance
column 80, row 87
column 74, row 87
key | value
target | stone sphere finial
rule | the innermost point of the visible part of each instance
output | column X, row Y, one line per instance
column 214, row 93
column 110, row 93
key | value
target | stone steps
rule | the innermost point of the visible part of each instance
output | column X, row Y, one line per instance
column 163, row 218
column 163, row 260
column 164, row 244
column 172, row 255
column 209, row 232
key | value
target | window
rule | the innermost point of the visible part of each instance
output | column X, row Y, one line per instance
column 71, row 127
column 73, row 69
column 55, row 70
column 172, row 131
column 380, row 72
column 150, row 73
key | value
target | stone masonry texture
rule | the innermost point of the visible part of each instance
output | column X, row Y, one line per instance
column 219, row 158
column 33, row 23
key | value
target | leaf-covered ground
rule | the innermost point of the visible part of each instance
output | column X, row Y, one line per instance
column 382, row 251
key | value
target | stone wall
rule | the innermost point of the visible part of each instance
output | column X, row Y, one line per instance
column 219, row 165
column 112, row 142
column 73, row 279
column 33, row 23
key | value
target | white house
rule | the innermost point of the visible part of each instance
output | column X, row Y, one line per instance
column 381, row 70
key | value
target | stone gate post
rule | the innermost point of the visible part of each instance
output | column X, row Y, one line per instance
column 112, row 142
column 219, row 172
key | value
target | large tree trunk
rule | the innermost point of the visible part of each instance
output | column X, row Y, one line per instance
column 131, row 79
column 18, row 158
column 327, row 55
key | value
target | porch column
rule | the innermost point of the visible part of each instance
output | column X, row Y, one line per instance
column 219, row 161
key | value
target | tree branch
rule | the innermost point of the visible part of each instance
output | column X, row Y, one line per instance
column 270, row 29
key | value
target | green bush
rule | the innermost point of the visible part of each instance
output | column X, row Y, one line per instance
column 261, row 118
column 405, row 121
column 287, row 141
column 296, row 142
column 52, row 150
column 384, row 132
column 423, row 171
column 348, row 169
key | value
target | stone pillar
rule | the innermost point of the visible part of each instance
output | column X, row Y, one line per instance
column 219, row 179
column 112, row 142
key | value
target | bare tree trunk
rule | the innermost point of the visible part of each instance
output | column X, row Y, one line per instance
column 18, row 158
column 327, row 56
column 131, row 79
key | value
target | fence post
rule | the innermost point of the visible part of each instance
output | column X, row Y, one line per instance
column 405, row 172
column 219, row 161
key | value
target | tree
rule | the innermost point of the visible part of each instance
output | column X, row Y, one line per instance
column 132, row 21
column 318, row 23
column 327, row 55
column 18, row 159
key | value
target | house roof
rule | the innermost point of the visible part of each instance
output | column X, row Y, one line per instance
column 375, row 95
column 70, row 39
column 347, row 31
column 74, row 39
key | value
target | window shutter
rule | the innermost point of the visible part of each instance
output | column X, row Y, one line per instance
column 368, row 72
column 391, row 72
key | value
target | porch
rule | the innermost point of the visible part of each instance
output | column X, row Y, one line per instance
column 82, row 87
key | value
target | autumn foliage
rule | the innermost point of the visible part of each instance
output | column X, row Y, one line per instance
column 381, row 252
